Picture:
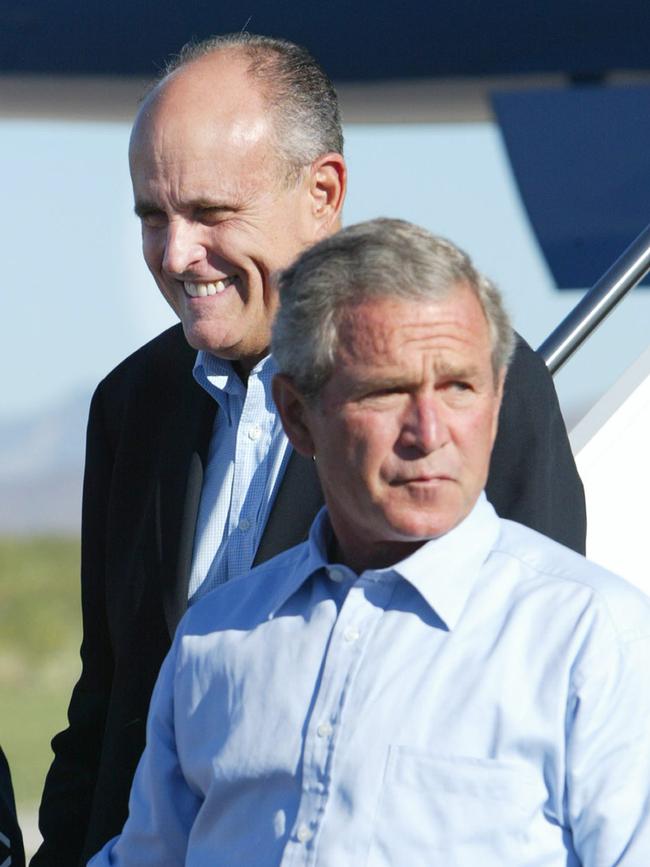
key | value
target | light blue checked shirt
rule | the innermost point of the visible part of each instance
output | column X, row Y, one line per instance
column 247, row 457
column 483, row 703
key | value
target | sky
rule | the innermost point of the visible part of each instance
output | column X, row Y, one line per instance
column 77, row 297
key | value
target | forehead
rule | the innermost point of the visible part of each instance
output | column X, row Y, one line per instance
column 387, row 332
column 206, row 120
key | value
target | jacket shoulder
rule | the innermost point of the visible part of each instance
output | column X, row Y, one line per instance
column 161, row 357
column 149, row 379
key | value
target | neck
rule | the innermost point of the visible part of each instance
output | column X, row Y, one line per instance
column 242, row 370
column 377, row 555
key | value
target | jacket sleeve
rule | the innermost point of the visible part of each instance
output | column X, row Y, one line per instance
column 533, row 477
column 162, row 807
column 70, row 783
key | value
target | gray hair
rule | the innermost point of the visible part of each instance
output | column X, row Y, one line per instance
column 376, row 259
column 300, row 95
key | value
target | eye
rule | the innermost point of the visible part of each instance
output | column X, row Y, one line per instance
column 388, row 392
column 456, row 389
column 382, row 396
column 153, row 219
column 210, row 216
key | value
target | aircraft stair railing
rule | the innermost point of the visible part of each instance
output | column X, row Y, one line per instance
column 628, row 270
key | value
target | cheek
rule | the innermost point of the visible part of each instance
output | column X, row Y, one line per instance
column 478, row 437
column 375, row 457
column 153, row 249
column 344, row 447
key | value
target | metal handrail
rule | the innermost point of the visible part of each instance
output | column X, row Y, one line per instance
column 628, row 270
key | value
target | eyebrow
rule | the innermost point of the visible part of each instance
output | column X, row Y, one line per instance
column 141, row 209
column 452, row 371
column 382, row 381
column 444, row 372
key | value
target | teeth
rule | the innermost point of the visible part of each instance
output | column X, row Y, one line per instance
column 202, row 290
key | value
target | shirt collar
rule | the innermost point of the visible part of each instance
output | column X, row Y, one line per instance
column 219, row 378
column 314, row 557
column 443, row 571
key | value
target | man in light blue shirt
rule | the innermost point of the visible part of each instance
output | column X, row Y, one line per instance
column 421, row 682
column 236, row 160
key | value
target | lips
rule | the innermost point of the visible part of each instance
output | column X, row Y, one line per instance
column 203, row 290
column 424, row 479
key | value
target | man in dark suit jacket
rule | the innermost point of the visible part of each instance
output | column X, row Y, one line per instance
column 11, row 840
column 236, row 166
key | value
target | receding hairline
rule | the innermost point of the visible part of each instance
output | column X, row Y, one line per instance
column 186, row 86
column 180, row 75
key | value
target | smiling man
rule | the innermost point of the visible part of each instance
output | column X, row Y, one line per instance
column 223, row 208
column 420, row 682
column 236, row 163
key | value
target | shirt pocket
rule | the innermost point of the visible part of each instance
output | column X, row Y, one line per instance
column 455, row 811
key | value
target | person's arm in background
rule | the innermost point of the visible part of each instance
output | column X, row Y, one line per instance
column 70, row 783
column 11, row 840
column 533, row 477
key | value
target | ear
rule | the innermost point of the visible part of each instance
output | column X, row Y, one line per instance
column 328, row 183
column 294, row 413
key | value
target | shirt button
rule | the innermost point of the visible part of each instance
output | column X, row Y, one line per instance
column 336, row 574
column 324, row 730
column 244, row 525
column 304, row 834
column 351, row 633
column 254, row 432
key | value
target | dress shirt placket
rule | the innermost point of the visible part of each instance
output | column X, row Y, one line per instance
column 359, row 616
column 253, row 443
column 248, row 451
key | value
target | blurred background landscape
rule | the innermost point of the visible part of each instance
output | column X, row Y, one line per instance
column 424, row 142
column 39, row 651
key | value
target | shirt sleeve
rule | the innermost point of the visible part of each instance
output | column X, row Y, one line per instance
column 162, row 807
column 608, row 755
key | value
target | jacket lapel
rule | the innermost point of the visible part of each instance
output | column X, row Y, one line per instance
column 298, row 500
column 183, row 457
column 188, row 422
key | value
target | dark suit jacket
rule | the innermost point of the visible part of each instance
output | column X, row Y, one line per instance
column 148, row 434
column 11, row 840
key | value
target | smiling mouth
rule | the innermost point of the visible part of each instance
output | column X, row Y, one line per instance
column 203, row 290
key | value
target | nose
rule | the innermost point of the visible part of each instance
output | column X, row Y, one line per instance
column 183, row 248
column 424, row 427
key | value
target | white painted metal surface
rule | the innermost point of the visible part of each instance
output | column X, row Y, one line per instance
column 612, row 449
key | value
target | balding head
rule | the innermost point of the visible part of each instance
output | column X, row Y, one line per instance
column 222, row 208
column 298, row 95
column 212, row 99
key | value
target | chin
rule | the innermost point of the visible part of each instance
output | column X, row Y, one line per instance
column 418, row 527
column 202, row 338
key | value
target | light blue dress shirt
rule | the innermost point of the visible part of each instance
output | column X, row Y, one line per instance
column 246, row 459
column 483, row 703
